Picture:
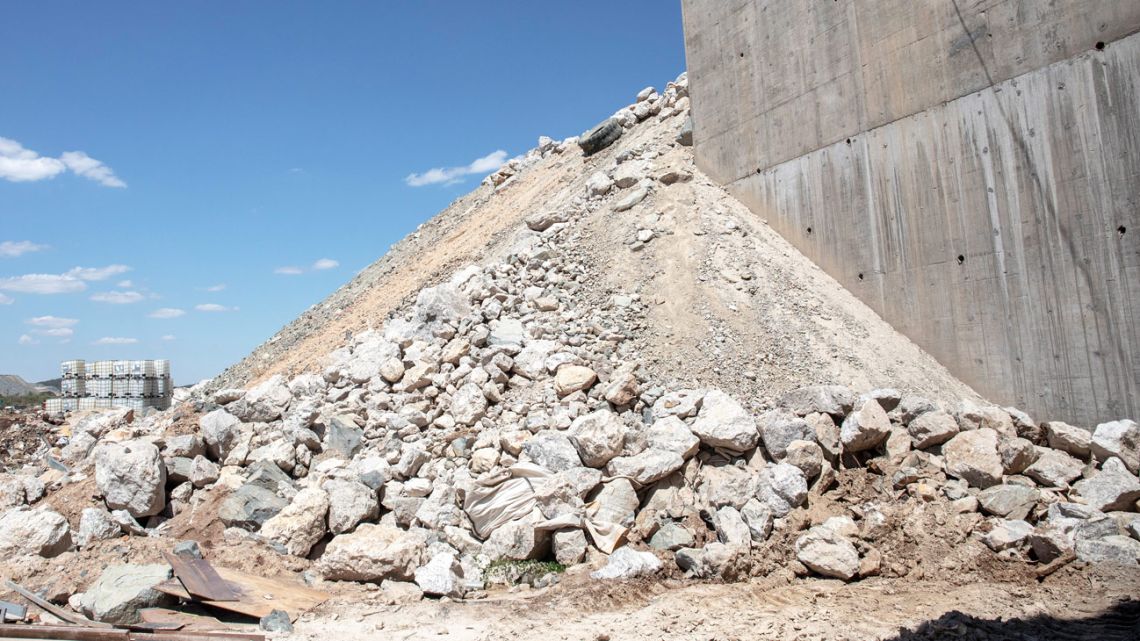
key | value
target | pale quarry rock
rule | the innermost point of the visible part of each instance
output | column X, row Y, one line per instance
column 531, row 361
column 517, row 540
column 714, row 560
column 220, row 429
column 599, row 184
column 1054, row 468
column 622, row 389
column 1068, row 438
column 552, row 450
column 373, row 553
column 301, row 524
column 1007, row 534
column 1114, row 487
column 1017, row 454
column 96, row 524
column 1115, row 549
column 806, row 455
column 1120, row 439
column 132, row 476
column 569, row 546
column 758, row 517
column 598, row 436
column 835, row 400
column 122, row 590
column 731, row 528
column 779, row 427
column 671, row 434
column 264, row 402
column 866, row 428
column 627, row 563
column 350, row 503
column 468, row 405
column 932, row 428
column 1004, row 500
column 682, row 404
column 632, row 199
column 782, row 487
column 508, row 332
column 723, row 422
column 728, row 485
column 650, row 465
column 40, row 532
column 671, row 537
column 441, row 576
column 973, row 456
column 828, row 554
column 573, row 378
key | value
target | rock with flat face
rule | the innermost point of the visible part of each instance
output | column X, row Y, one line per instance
column 573, row 378
column 132, row 477
column 932, row 428
column 1115, row 549
column 1007, row 534
column 1003, row 500
column 1120, row 439
column 41, row 532
column 122, row 590
column 779, row 427
column 350, row 503
column 671, row 537
column 552, row 450
column 835, row 400
column 441, row 576
column 828, row 554
column 671, row 434
column 1054, row 468
column 221, row 431
column 1112, row 488
column 1017, row 454
column 373, row 553
column 649, row 465
column 866, row 428
column 597, row 436
column 1068, row 438
column 517, row 540
column 973, row 456
column 782, row 487
column 724, row 423
column 627, row 563
column 711, row 561
column 468, row 405
column 301, row 524
column 96, row 524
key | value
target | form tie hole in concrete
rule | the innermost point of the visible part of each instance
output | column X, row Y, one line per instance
column 809, row 230
column 849, row 141
column 1099, row 46
column 860, row 276
column 741, row 54
column 961, row 259
column 1120, row 230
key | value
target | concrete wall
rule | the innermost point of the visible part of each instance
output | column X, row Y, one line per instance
column 970, row 169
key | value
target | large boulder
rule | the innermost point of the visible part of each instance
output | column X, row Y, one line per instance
column 373, row 553
column 866, row 428
column 671, row 434
column 1005, row 500
column 41, row 532
column 221, row 431
column 835, row 400
column 122, row 590
column 973, row 457
column 264, row 402
column 931, row 428
column 1120, row 439
column 552, row 450
column 301, row 524
column 441, row 576
column 724, row 423
column 779, row 427
column 350, row 502
column 250, row 506
column 1113, row 488
column 132, row 477
column 1114, row 549
column 597, row 436
column 517, row 540
column 649, row 465
column 96, row 524
column 827, row 553
column 782, row 487
column 1054, row 468
column 1068, row 438
column 573, row 378
column 627, row 563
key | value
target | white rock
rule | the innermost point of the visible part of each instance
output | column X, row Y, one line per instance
column 973, row 456
column 599, row 184
column 1068, row 438
column 627, row 563
column 1120, row 439
column 221, row 431
column 96, row 524
column 649, row 465
column 866, row 428
column 301, row 524
column 597, row 436
column 441, row 576
column 468, row 405
column 782, row 487
column 552, row 450
column 826, row 553
column 572, row 378
column 131, row 476
column 724, row 423
column 350, row 502
column 41, row 532
column 1113, row 488
column 1007, row 534
column 779, row 427
column 671, row 434
column 372, row 553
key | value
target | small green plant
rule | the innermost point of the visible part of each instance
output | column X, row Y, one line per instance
column 510, row 572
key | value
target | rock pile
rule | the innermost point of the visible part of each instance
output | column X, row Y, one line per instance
column 503, row 415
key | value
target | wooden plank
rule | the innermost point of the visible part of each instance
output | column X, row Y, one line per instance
column 258, row 596
column 54, row 610
column 71, row 632
column 200, row 579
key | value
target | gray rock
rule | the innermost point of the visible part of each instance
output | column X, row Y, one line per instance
column 632, row 199
column 1068, row 438
column 517, row 540
column 127, row 523
column 826, row 435
column 627, row 563
column 188, row 549
column 671, row 434
column 122, row 590
column 443, row 303
column 685, row 136
column 1025, row 426
column 373, row 553
column 1004, row 500
column 681, row 404
column 973, row 457
column 569, row 546
column 725, row 484
column 185, row 445
column 441, row 576
column 131, row 476
column 552, row 450
column 724, row 423
column 931, row 428
column 630, row 173
column 828, row 554
column 468, row 405
column 41, row 532
column 264, row 402
column 911, row 407
column 1113, row 488
column 598, row 436
column 646, row 467
column 301, row 524
column 671, row 537
column 508, row 332
column 806, row 455
column 779, row 427
column 888, row 398
column 1111, row 549
column 250, row 506
column 865, row 428
column 782, row 487
column 1007, row 534
column 531, row 361
column 276, row 621
column 350, row 502
column 1120, row 439
column 758, row 517
column 96, row 524
column 343, row 437
column 221, row 431
column 227, row 396
column 1054, row 468
column 714, row 560
column 731, row 528
column 835, row 400
column 203, row 471
column 1049, row 543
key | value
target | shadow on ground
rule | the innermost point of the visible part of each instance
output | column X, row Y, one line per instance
column 1119, row 623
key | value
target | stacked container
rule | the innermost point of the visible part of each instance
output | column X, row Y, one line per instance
column 105, row 384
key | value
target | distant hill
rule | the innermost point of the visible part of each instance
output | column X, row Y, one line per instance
column 12, row 385
column 52, row 385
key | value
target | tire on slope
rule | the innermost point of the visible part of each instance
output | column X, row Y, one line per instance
column 600, row 137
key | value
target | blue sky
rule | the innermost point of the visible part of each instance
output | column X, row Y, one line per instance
column 186, row 178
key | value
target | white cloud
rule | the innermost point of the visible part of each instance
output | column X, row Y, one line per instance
column 117, row 297
column 451, row 175
column 288, row 271
column 12, row 249
column 97, row 273
column 27, row 340
column 214, row 307
column 325, row 263
column 216, row 288
column 18, row 164
column 167, row 312
column 58, row 332
column 168, row 337
column 115, row 340
column 43, row 284
column 125, row 284
column 6, row 300
column 52, row 321
column 88, row 167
